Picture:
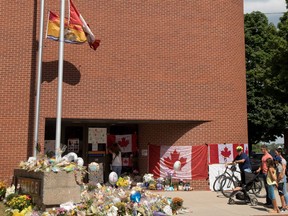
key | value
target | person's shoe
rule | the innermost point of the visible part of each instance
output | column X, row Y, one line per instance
column 268, row 205
column 283, row 210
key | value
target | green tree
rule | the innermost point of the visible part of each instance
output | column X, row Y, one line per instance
column 266, row 113
column 277, row 81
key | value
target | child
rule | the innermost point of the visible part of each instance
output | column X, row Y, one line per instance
column 280, row 181
column 272, row 182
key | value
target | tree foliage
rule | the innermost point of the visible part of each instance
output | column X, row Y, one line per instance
column 265, row 47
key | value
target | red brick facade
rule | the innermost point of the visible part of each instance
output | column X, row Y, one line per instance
column 180, row 64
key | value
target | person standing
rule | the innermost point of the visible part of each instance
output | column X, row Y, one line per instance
column 280, row 180
column 272, row 182
column 263, row 167
column 278, row 152
column 243, row 161
column 116, row 159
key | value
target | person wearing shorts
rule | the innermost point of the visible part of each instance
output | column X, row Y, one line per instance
column 280, row 180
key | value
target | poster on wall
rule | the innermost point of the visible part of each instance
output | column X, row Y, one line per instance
column 97, row 135
column 73, row 145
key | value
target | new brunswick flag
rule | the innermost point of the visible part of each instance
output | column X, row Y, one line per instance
column 73, row 32
column 77, row 31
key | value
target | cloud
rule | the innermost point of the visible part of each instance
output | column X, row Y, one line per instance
column 265, row 6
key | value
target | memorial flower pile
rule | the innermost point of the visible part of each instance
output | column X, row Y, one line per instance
column 102, row 200
column 111, row 201
column 45, row 164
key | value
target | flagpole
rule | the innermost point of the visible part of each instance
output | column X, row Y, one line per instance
column 39, row 79
column 60, row 82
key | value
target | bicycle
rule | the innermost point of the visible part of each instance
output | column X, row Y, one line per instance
column 229, row 183
column 219, row 179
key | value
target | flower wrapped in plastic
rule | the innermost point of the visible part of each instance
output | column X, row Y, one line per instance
column 148, row 177
column 124, row 182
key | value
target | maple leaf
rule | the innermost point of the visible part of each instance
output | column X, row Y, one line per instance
column 123, row 142
column 174, row 157
column 226, row 153
column 246, row 151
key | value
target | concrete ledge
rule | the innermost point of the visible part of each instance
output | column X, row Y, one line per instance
column 48, row 189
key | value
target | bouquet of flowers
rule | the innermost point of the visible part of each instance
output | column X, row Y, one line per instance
column 2, row 189
column 176, row 204
column 123, row 182
column 20, row 202
column 170, row 174
column 148, row 177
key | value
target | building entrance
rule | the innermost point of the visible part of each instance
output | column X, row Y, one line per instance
column 91, row 141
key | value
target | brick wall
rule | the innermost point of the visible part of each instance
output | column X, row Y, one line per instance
column 172, row 60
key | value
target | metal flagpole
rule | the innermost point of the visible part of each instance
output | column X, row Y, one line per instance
column 39, row 79
column 60, row 82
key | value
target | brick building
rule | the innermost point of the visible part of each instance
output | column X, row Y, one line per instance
column 171, row 72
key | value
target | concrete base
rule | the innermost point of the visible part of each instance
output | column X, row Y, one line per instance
column 48, row 189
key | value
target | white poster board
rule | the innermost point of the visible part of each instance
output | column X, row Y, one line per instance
column 216, row 170
column 97, row 135
column 96, row 177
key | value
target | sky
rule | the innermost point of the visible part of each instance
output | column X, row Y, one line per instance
column 266, row 6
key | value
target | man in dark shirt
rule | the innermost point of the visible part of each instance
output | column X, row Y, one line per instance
column 243, row 161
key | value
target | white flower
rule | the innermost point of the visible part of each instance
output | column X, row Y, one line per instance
column 112, row 211
column 148, row 177
column 167, row 210
column 10, row 190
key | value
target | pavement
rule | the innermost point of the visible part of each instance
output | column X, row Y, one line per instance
column 203, row 203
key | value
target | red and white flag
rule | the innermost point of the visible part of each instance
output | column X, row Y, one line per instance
column 223, row 153
column 126, row 161
column 193, row 161
column 76, row 18
column 127, row 142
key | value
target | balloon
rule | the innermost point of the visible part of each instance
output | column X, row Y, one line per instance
column 135, row 196
column 113, row 177
column 177, row 166
column 71, row 156
column 80, row 161
column 93, row 167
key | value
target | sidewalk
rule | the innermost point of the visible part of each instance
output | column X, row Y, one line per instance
column 203, row 203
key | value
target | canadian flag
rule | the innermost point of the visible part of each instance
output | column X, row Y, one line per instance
column 126, row 161
column 127, row 143
column 193, row 161
column 223, row 153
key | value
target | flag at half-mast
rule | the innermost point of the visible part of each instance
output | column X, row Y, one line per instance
column 76, row 31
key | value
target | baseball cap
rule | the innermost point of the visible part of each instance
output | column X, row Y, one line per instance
column 239, row 148
column 278, row 158
column 279, row 147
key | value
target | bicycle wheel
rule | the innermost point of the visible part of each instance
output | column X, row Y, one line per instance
column 227, row 186
column 217, row 182
column 258, row 188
